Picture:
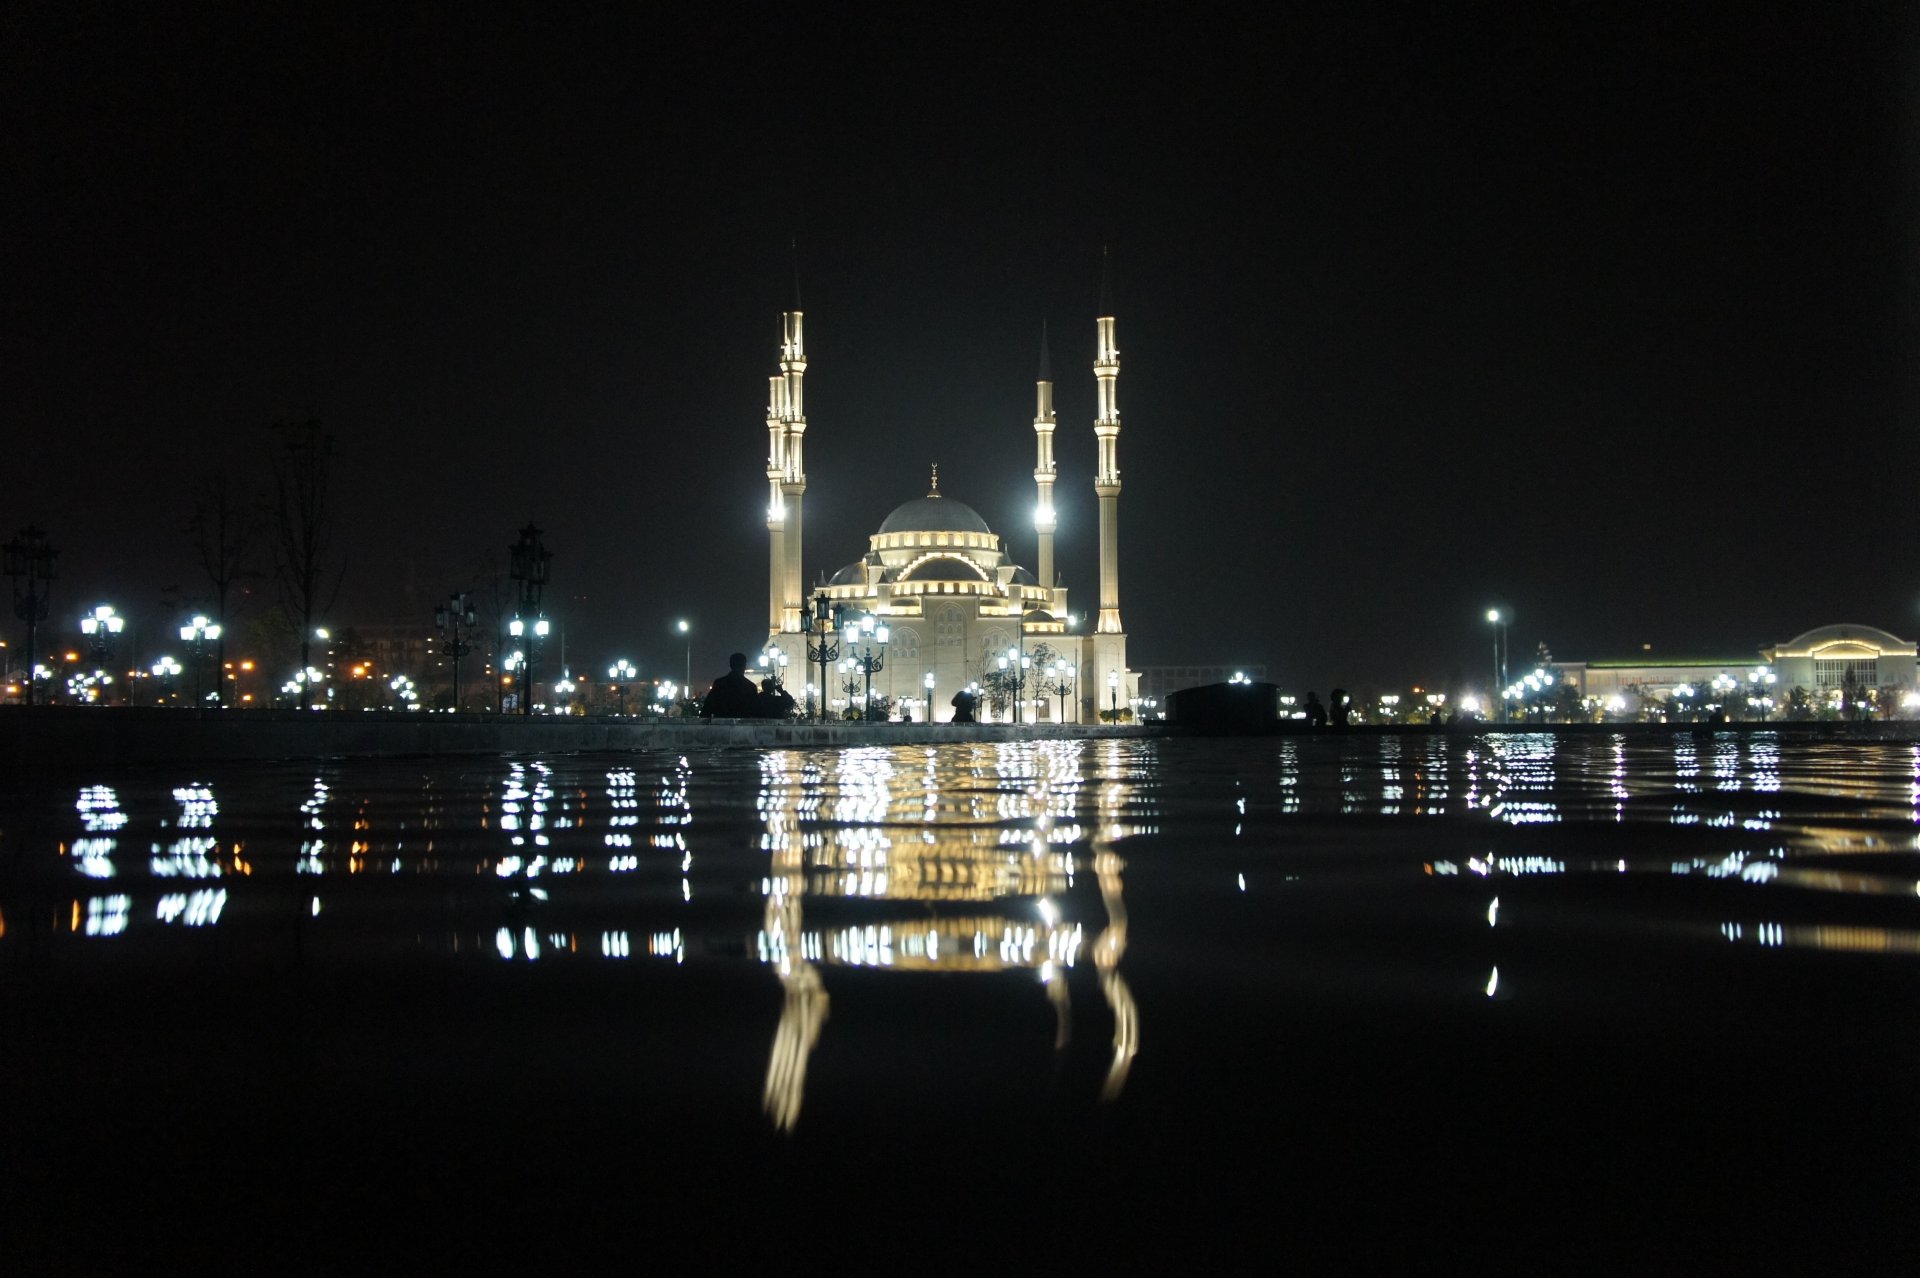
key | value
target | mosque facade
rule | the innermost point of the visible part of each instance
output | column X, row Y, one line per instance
column 954, row 602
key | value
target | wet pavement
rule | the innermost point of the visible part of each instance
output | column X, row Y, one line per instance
column 1596, row 1004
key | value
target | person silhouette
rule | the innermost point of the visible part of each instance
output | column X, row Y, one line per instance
column 774, row 701
column 963, row 702
column 732, row 695
column 1316, row 713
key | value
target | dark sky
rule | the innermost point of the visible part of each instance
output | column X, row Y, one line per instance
column 1601, row 314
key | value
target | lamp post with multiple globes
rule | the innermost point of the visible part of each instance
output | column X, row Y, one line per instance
column 100, row 626
column 454, row 618
column 198, row 632
column 530, row 563
column 621, row 673
column 29, row 556
column 819, row 623
column 871, row 658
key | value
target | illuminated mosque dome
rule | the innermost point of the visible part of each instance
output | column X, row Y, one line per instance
column 934, row 513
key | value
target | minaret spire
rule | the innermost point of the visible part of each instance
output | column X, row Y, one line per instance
column 1106, row 429
column 1044, row 520
column 786, row 469
column 793, row 367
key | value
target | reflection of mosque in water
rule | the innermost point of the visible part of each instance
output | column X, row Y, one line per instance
column 995, row 877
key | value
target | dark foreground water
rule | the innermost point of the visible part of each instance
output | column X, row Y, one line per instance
column 1389, row 1002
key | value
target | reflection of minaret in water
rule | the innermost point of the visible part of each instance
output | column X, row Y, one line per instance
column 961, row 858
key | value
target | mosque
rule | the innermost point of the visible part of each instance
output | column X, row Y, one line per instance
column 957, row 609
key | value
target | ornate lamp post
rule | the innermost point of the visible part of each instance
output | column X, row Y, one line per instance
column 30, row 557
column 849, row 681
column 928, row 682
column 826, row 652
column 621, row 673
column 563, row 692
column 197, row 632
column 1017, row 665
column 1113, row 692
column 405, row 695
column 529, row 564
column 100, row 626
column 872, row 658
column 166, row 670
column 454, row 619
column 1062, row 679
column 774, row 662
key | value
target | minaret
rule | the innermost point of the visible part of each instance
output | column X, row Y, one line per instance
column 793, row 486
column 776, row 500
column 1106, row 483
column 1043, row 517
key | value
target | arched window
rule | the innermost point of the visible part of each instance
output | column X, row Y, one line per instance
column 950, row 626
column 905, row 644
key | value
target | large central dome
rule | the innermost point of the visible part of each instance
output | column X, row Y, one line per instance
column 934, row 513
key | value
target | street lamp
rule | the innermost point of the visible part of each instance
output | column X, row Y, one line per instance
column 30, row 556
column 872, row 657
column 166, row 670
column 563, row 691
column 1113, row 692
column 1063, row 675
column 99, row 626
column 1500, row 622
column 824, row 653
column 927, row 681
column 686, row 633
column 621, row 673
column 774, row 662
column 530, row 563
column 1016, row 665
column 452, row 617
column 197, row 632
column 405, row 696
column 520, row 628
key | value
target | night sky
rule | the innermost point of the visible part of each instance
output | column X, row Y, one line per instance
column 1600, row 314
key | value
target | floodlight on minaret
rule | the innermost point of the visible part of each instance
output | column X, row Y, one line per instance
column 1106, row 483
column 1044, row 520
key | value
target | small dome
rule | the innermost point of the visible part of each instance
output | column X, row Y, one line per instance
column 934, row 513
column 1021, row 577
column 944, row 568
column 853, row 574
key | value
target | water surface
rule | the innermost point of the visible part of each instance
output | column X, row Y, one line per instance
column 1594, row 1003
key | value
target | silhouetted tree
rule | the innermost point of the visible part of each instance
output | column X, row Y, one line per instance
column 224, row 530
column 300, row 525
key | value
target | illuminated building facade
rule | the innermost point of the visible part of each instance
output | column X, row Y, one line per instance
column 947, row 587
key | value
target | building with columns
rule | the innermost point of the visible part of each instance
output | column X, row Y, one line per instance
column 948, row 589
